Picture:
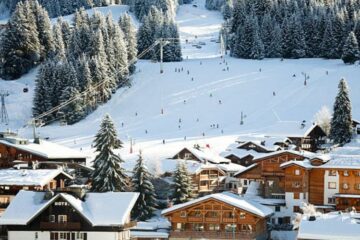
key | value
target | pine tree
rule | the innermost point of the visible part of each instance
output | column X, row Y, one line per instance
column 130, row 35
column 20, row 46
column 141, row 182
column 341, row 122
column 257, row 49
column 74, row 111
column 351, row 49
column 59, row 46
column 329, row 45
column 42, row 92
column 183, row 185
column 108, row 175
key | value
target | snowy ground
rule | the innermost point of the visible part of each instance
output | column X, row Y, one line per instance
column 248, row 86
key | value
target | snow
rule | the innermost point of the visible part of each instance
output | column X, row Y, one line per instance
column 228, row 198
column 330, row 227
column 29, row 177
column 303, row 153
column 46, row 149
column 283, row 235
column 246, row 169
column 205, row 155
column 97, row 208
column 149, row 234
column 241, row 89
column 343, row 162
column 305, row 164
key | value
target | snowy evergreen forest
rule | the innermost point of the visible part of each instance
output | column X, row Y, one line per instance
column 303, row 29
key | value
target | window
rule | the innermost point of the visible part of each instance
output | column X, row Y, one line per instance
column 246, row 228
column 297, row 172
column 357, row 173
column 52, row 218
column 245, row 182
column 62, row 218
column 183, row 214
column 80, row 236
column 331, row 200
column 203, row 183
column 296, row 195
column 277, row 208
column 345, row 202
column 242, row 215
column 346, row 173
column 357, row 186
column 212, row 214
column 197, row 214
column 297, row 209
column 188, row 156
column 345, row 186
column 180, row 226
column 198, row 227
column 332, row 185
column 296, row 184
column 214, row 227
column 62, row 236
column 230, row 227
column 332, row 173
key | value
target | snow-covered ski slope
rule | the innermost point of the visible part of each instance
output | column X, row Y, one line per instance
column 247, row 87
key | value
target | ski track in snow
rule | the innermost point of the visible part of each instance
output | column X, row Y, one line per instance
column 243, row 88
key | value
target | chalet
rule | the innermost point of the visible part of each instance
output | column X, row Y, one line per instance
column 202, row 156
column 267, row 170
column 12, row 181
column 150, row 231
column 208, row 178
column 59, row 216
column 330, row 226
column 250, row 147
column 303, row 136
column 356, row 126
column 218, row 216
column 14, row 149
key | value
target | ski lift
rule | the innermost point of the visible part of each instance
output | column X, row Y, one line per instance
column 25, row 89
column 113, row 91
column 39, row 123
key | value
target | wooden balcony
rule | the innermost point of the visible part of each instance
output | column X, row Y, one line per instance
column 204, row 177
column 212, row 219
column 195, row 219
column 67, row 226
column 211, row 235
column 229, row 220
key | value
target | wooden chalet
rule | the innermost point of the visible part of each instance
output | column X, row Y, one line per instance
column 12, row 181
column 14, row 149
column 209, row 178
column 218, row 216
column 268, row 171
column 304, row 136
column 202, row 156
column 64, row 216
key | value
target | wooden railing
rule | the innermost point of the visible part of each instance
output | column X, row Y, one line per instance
column 60, row 226
column 212, row 235
column 212, row 219
column 195, row 219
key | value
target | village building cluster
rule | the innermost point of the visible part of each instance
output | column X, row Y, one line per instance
column 259, row 184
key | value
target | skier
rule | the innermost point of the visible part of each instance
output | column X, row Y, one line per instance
column 210, row 94
column 185, row 138
column 274, row 94
column 217, row 125
column 182, row 69
column 188, row 72
column 136, row 114
column 203, row 134
column 179, row 120
column 122, row 124
column 227, row 68
column 294, row 75
column 146, row 132
column 192, row 79
column 220, row 102
column 184, row 101
column 163, row 141
column 259, row 69
column 200, row 62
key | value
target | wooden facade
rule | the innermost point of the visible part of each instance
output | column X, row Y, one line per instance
column 253, row 146
column 214, row 219
column 208, row 180
column 243, row 161
column 310, row 141
column 9, row 154
column 316, row 186
column 186, row 154
column 296, row 179
column 269, row 172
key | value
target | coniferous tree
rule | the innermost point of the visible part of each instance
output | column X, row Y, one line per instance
column 141, row 182
column 74, row 111
column 183, row 186
column 351, row 49
column 131, row 44
column 328, row 45
column 108, row 175
column 20, row 46
column 341, row 122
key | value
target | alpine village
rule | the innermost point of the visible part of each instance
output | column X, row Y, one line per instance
column 179, row 119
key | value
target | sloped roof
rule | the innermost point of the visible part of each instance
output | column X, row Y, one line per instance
column 100, row 209
column 290, row 129
column 228, row 198
column 246, row 169
column 46, row 149
column 304, row 164
column 29, row 177
column 342, row 162
column 304, row 154
column 205, row 155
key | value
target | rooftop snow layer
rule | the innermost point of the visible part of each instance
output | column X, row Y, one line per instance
column 332, row 226
column 100, row 209
column 28, row 177
column 205, row 155
column 231, row 199
column 343, row 162
column 305, row 164
column 46, row 149
column 289, row 129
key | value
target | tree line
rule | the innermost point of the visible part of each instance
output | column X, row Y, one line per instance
column 292, row 29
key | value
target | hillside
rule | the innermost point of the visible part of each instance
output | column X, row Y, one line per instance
column 247, row 86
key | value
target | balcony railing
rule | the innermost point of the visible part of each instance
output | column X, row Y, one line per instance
column 195, row 219
column 212, row 235
column 212, row 219
column 60, row 226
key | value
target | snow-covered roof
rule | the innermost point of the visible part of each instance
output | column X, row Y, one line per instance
column 246, row 169
column 228, row 198
column 205, row 155
column 322, row 157
column 289, row 129
column 29, row 177
column 209, row 167
column 305, row 164
column 100, row 209
column 304, row 154
column 231, row 167
column 46, row 149
column 343, row 162
column 241, row 153
column 339, row 195
column 331, row 226
column 149, row 234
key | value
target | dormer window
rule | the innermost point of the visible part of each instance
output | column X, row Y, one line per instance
column 332, row 173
